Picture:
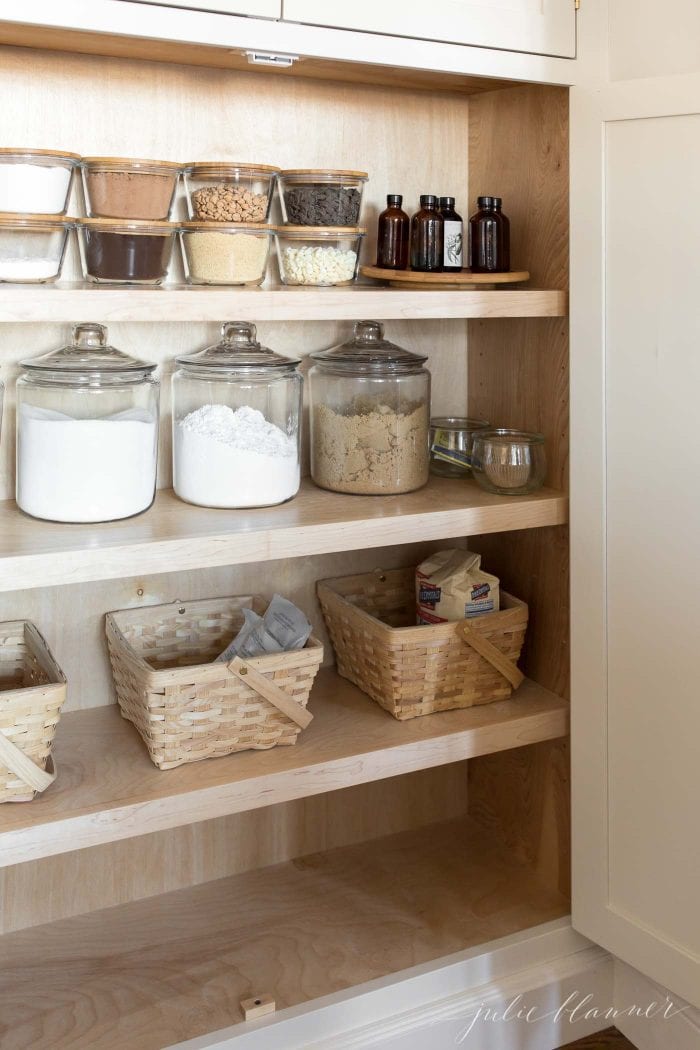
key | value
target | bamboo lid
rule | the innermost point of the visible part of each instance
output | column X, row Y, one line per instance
column 202, row 224
column 204, row 167
column 131, row 162
column 130, row 225
column 319, row 231
column 25, row 152
column 10, row 218
column 325, row 171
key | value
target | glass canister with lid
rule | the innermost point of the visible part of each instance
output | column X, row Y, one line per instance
column 370, row 412
column 236, row 423
column 87, row 431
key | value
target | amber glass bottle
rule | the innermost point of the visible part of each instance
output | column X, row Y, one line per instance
column 393, row 235
column 427, row 229
column 453, row 249
column 489, row 238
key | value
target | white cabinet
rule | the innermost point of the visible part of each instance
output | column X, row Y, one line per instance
column 253, row 8
column 543, row 27
column 635, row 521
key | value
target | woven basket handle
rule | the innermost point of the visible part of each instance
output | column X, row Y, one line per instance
column 494, row 656
column 18, row 763
column 270, row 691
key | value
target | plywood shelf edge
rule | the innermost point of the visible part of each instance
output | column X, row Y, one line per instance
column 109, row 790
column 174, row 534
column 59, row 304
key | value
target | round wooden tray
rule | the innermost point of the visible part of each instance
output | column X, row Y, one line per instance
column 464, row 280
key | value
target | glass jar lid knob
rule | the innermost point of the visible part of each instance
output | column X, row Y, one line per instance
column 369, row 331
column 241, row 334
column 89, row 334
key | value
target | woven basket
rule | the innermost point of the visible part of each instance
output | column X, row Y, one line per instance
column 32, row 692
column 412, row 670
column 188, row 708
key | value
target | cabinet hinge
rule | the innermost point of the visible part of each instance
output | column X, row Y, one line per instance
column 577, row 4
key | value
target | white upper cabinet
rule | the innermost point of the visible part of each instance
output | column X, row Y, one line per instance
column 541, row 27
column 254, row 8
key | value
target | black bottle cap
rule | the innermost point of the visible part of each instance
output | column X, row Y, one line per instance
column 489, row 202
column 428, row 200
column 447, row 202
column 394, row 199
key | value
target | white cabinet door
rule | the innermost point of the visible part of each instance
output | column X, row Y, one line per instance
column 542, row 27
column 636, row 511
column 255, row 8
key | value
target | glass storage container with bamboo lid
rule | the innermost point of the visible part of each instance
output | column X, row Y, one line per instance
column 33, row 247
column 370, row 410
column 228, row 253
column 322, row 256
column 87, row 431
column 36, row 181
column 127, row 188
column 223, row 191
column 236, row 423
column 126, row 251
column 321, row 197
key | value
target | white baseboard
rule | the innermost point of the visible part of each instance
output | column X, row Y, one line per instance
column 517, row 993
column 651, row 1017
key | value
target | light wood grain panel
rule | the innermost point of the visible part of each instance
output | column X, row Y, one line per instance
column 133, row 869
column 155, row 972
column 172, row 51
column 72, row 617
column 109, row 789
column 63, row 302
column 518, row 374
column 175, row 534
column 86, row 104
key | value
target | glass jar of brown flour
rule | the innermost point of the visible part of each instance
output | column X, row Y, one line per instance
column 370, row 414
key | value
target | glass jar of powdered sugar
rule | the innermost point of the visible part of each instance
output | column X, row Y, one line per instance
column 236, row 415
column 87, row 431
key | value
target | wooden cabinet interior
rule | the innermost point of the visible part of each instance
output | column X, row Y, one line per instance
column 504, row 866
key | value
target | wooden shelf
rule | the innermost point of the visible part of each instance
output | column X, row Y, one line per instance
column 108, row 789
column 32, row 304
column 174, row 535
column 152, row 973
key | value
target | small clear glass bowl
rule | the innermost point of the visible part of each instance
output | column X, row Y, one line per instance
column 451, row 445
column 321, row 198
column 126, row 251
column 228, row 253
column 33, row 247
column 227, row 192
column 319, row 255
column 124, row 188
column 509, row 462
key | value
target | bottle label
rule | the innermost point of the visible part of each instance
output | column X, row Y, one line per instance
column 453, row 244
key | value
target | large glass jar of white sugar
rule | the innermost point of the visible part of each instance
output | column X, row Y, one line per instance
column 236, row 414
column 87, row 431
column 370, row 413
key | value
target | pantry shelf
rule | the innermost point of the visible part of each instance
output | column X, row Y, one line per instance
column 66, row 303
column 154, row 972
column 109, row 790
column 173, row 535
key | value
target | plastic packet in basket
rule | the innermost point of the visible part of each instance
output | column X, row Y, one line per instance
column 282, row 629
column 450, row 585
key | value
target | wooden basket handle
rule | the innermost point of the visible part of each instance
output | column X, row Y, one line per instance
column 23, row 767
column 494, row 656
column 270, row 691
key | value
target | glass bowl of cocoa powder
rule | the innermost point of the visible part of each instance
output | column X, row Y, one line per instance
column 123, row 188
